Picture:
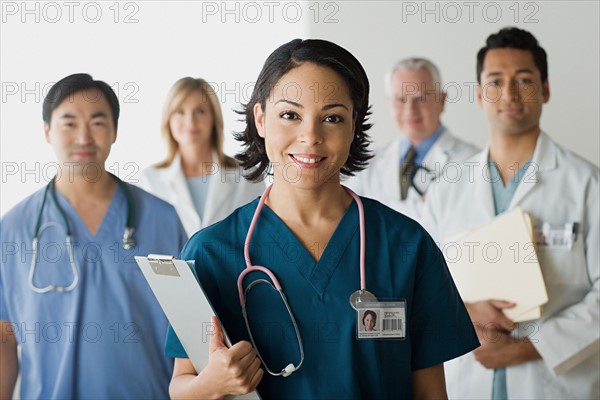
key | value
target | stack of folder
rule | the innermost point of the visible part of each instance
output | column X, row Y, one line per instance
column 498, row 261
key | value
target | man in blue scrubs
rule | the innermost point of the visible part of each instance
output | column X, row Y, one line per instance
column 98, row 332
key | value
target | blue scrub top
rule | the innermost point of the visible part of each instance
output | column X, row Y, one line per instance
column 402, row 262
column 105, row 338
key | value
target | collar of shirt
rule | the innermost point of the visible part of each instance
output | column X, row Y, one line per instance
column 422, row 147
column 503, row 194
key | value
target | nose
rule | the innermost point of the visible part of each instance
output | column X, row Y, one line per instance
column 411, row 106
column 84, row 135
column 510, row 92
column 310, row 133
column 189, row 119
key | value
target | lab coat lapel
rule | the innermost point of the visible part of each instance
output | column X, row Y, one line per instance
column 219, row 191
column 180, row 189
column 483, row 186
column 544, row 159
column 390, row 180
column 437, row 156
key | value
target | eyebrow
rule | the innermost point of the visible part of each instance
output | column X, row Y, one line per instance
column 519, row 71
column 325, row 107
column 99, row 114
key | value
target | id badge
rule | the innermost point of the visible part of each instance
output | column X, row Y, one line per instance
column 381, row 320
column 560, row 237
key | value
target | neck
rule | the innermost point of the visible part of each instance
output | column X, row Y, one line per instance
column 418, row 139
column 309, row 207
column 197, row 160
column 511, row 151
column 77, row 187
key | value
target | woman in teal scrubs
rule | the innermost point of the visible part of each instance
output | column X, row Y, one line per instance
column 306, row 125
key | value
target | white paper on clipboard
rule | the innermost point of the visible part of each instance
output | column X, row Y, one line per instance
column 185, row 304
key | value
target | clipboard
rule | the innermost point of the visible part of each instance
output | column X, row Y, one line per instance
column 184, row 302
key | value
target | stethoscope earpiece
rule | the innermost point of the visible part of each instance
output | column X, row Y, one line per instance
column 287, row 371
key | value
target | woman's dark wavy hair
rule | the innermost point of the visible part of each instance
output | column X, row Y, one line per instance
column 253, row 158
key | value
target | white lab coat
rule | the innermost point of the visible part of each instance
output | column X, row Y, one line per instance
column 558, row 187
column 381, row 179
column 227, row 190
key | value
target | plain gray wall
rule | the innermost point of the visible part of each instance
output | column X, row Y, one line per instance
column 379, row 33
column 147, row 45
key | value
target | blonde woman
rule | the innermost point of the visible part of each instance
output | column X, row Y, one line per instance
column 201, row 182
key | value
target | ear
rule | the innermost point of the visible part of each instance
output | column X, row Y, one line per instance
column 479, row 95
column 546, row 91
column 47, row 132
column 259, row 119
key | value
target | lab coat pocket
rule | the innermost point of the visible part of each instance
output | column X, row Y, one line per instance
column 560, row 265
column 565, row 275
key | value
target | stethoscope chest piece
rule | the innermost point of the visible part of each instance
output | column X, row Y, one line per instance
column 361, row 296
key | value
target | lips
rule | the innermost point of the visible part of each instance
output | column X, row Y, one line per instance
column 511, row 110
column 84, row 153
column 307, row 160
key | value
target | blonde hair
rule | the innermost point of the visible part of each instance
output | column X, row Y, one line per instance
column 179, row 91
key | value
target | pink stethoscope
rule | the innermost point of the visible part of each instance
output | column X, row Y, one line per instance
column 359, row 296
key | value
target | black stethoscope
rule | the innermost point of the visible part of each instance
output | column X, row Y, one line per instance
column 422, row 177
column 127, row 241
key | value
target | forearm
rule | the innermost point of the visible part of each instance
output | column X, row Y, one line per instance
column 190, row 386
column 523, row 351
column 429, row 383
column 9, row 369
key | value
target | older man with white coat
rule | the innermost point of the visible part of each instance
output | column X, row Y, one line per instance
column 401, row 171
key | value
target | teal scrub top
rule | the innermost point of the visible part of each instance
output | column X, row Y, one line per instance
column 402, row 262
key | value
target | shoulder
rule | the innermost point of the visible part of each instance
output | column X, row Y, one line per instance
column 228, row 230
column 390, row 222
column 383, row 158
column 149, row 202
column 388, row 150
column 236, row 178
column 234, row 175
column 27, row 209
column 153, row 173
column 460, row 148
column 568, row 159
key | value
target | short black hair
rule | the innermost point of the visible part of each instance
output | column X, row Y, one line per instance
column 514, row 38
column 75, row 83
column 254, row 158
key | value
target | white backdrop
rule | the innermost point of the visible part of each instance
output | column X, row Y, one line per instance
column 142, row 47
column 450, row 34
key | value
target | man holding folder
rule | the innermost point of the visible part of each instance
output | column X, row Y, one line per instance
column 555, row 356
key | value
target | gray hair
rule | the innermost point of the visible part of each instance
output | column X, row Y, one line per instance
column 413, row 63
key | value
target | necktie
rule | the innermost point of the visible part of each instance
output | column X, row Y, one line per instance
column 406, row 171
